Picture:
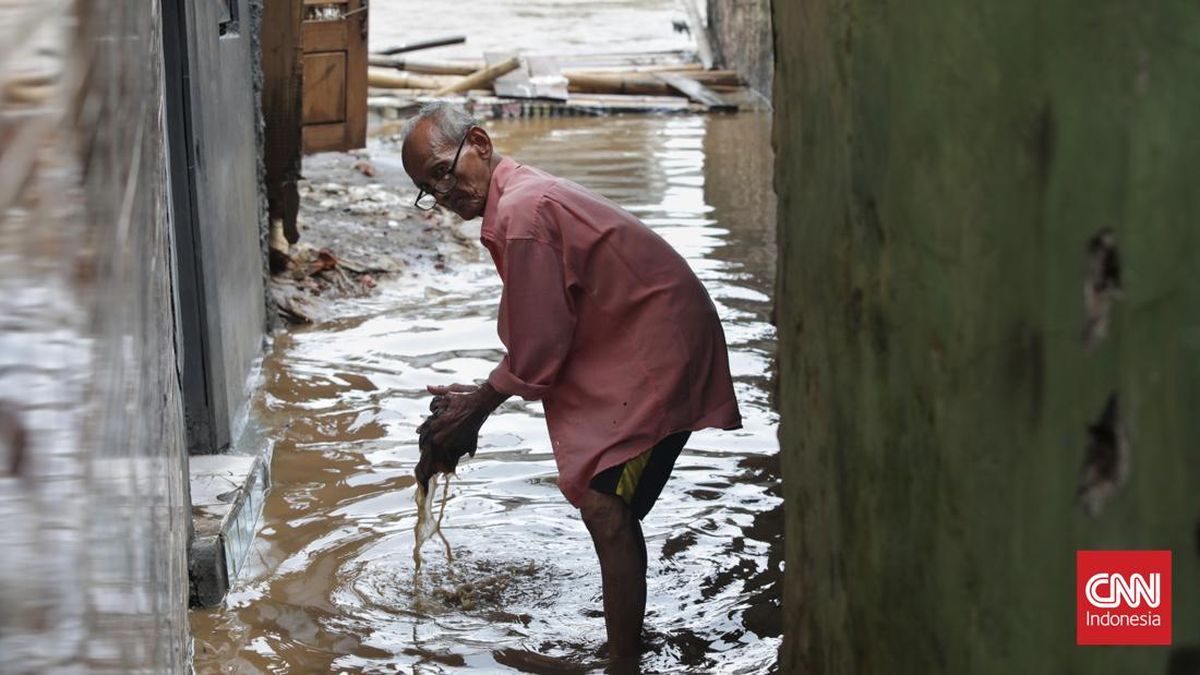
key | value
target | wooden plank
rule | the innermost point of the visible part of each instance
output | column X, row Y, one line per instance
column 324, row 137
column 356, row 76
column 324, row 87
column 697, row 92
column 282, row 111
column 725, row 78
column 325, row 36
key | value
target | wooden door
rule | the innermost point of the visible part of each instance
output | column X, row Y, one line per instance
column 334, row 42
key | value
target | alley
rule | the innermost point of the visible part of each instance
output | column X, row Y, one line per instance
column 332, row 583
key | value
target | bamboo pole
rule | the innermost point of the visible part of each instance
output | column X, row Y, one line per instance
column 615, row 83
column 643, row 84
column 635, row 82
column 426, row 67
column 697, row 92
column 481, row 77
column 387, row 79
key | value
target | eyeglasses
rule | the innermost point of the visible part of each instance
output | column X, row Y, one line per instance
column 427, row 196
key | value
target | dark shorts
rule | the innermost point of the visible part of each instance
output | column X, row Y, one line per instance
column 640, row 480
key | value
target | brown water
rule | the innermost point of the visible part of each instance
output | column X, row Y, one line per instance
column 545, row 26
column 331, row 583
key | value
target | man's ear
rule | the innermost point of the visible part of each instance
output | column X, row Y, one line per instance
column 479, row 138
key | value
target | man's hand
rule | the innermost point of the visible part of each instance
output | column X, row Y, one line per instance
column 452, row 430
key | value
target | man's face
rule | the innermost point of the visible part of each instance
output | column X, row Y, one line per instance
column 428, row 157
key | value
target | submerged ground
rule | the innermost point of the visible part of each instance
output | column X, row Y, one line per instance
column 331, row 585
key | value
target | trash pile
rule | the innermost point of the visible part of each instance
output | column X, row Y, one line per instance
column 509, row 84
column 358, row 226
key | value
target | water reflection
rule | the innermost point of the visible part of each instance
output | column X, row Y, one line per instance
column 332, row 585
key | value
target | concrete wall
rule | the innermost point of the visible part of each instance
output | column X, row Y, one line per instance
column 741, row 32
column 941, row 168
column 93, row 491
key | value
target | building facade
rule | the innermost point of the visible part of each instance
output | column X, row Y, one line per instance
column 132, row 310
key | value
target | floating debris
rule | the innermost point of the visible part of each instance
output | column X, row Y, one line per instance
column 427, row 526
column 434, row 461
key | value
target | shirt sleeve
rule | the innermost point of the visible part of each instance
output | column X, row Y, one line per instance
column 536, row 322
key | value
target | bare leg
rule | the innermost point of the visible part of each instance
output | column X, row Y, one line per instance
column 617, row 535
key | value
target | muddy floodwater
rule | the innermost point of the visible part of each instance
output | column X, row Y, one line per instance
column 331, row 586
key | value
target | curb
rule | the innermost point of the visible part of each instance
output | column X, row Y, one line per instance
column 228, row 492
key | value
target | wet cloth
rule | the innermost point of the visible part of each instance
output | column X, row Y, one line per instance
column 603, row 322
column 640, row 480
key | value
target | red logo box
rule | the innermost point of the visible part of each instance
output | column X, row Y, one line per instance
column 1123, row 597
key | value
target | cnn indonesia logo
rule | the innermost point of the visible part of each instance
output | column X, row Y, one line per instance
column 1123, row 597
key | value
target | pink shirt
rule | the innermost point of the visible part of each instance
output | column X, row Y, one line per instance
column 603, row 321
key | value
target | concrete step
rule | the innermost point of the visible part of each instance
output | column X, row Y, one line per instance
column 228, row 492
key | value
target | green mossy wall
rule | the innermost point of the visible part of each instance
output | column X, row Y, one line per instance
column 941, row 167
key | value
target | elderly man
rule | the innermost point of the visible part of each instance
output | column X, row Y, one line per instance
column 602, row 321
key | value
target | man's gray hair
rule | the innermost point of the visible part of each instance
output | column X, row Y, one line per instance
column 451, row 120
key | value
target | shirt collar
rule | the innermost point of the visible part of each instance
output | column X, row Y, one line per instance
column 500, row 177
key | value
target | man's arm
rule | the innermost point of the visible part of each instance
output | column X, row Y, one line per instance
column 538, row 322
column 459, row 410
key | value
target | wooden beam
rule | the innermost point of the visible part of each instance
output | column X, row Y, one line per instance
column 324, row 137
column 356, row 75
column 697, row 92
column 281, row 107
column 324, row 36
